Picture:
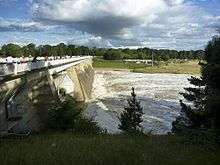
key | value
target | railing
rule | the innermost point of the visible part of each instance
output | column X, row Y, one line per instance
column 16, row 68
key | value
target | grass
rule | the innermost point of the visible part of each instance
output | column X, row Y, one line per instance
column 66, row 148
column 187, row 67
column 113, row 64
column 172, row 66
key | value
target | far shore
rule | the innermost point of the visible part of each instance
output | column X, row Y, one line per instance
column 190, row 67
column 112, row 69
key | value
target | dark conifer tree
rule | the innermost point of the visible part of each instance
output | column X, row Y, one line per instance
column 211, row 76
column 132, row 116
column 205, row 96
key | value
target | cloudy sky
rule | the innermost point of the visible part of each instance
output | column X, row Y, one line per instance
column 174, row 24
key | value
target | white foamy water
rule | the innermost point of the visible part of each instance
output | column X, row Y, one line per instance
column 158, row 94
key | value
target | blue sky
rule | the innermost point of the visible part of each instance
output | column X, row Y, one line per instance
column 14, row 9
column 173, row 24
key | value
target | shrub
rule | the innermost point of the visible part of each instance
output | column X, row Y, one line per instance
column 65, row 115
column 86, row 126
column 132, row 116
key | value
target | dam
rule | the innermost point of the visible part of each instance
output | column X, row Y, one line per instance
column 158, row 95
column 27, row 90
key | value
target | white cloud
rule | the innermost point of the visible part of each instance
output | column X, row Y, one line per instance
column 92, row 41
column 83, row 10
column 155, row 23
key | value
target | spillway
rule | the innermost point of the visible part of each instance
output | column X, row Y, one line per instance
column 158, row 94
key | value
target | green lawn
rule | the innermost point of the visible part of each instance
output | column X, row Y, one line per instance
column 99, row 63
column 172, row 66
column 66, row 148
column 187, row 67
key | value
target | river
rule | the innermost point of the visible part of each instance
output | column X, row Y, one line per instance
column 157, row 93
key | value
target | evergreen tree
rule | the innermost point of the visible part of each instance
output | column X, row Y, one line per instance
column 205, row 96
column 211, row 76
column 63, row 114
column 131, row 118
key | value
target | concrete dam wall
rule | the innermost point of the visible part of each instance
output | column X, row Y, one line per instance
column 24, row 101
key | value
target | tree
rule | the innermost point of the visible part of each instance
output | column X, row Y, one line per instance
column 11, row 50
column 63, row 114
column 211, row 77
column 205, row 95
column 29, row 50
column 46, row 50
column 132, row 116
column 62, row 49
column 71, row 50
column 1, row 54
column 108, row 54
column 112, row 55
column 54, row 51
column 66, row 115
column 100, row 52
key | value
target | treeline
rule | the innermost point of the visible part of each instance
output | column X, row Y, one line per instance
column 43, row 50
column 147, row 53
column 108, row 54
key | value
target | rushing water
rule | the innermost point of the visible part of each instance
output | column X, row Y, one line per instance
column 158, row 94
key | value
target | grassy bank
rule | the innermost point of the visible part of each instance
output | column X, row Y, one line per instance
column 175, row 67
column 66, row 148
column 115, row 64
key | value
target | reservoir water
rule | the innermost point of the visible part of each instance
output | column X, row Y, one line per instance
column 158, row 94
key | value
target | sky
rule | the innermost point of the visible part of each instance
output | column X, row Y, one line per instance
column 160, row 24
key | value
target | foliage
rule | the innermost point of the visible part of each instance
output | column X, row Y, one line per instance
column 11, row 50
column 86, row 126
column 211, row 77
column 131, row 118
column 66, row 116
column 112, row 55
column 63, row 114
column 108, row 54
column 29, row 50
column 205, row 96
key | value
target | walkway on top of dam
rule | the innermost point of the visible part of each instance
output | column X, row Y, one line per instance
column 15, row 69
